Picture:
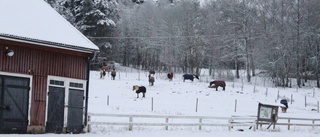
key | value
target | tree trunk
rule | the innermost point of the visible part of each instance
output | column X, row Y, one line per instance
column 317, row 62
column 248, row 59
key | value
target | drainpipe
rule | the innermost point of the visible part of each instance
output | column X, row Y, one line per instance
column 87, row 90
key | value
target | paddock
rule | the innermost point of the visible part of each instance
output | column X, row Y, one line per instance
column 192, row 98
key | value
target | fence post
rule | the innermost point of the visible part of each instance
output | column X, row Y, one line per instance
column 305, row 101
column 233, row 84
column 289, row 124
column 200, row 123
column 313, row 92
column 291, row 98
column 89, row 124
column 108, row 100
column 267, row 92
column 197, row 104
column 318, row 106
column 278, row 95
column 152, row 104
column 235, row 105
column 167, row 121
column 130, row 123
column 230, row 123
column 313, row 124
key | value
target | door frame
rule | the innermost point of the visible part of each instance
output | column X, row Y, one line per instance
column 30, row 91
column 66, row 99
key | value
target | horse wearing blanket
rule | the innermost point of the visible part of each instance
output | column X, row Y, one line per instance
column 139, row 89
column 151, row 79
column 190, row 77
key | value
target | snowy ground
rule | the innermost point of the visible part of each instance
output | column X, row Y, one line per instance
column 179, row 98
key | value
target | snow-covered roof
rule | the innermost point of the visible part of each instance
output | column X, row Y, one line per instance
column 37, row 22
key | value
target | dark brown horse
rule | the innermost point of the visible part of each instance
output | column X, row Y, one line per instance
column 217, row 83
column 170, row 76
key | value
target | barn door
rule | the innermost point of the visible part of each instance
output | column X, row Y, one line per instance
column 75, row 111
column 55, row 114
column 14, row 102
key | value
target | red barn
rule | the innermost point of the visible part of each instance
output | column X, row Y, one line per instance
column 44, row 70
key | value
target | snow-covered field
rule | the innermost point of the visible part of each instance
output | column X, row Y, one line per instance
column 179, row 98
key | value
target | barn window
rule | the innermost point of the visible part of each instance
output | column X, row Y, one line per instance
column 57, row 82
column 76, row 85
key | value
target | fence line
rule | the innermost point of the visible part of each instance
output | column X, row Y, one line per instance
column 230, row 122
column 289, row 121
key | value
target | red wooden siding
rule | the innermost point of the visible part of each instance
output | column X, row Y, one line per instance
column 40, row 61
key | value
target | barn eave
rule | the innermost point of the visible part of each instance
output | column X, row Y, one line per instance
column 46, row 43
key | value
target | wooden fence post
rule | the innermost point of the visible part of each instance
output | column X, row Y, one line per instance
column 313, row 92
column 267, row 92
column 108, row 100
column 89, row 124
column 200, row 123
column 235, row 105
column 289, row 124
column 152, row 104
column 167, row 121
column 305, row 101
column 318, row 106
column 197, row 104
column 130, row 123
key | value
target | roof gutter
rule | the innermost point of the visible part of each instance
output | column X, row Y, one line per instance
column 87, row 90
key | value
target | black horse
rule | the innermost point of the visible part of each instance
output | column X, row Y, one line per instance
column 139, row 89
column 190, row 77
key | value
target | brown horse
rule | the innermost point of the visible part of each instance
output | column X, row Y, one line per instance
column 217, row 83
column 139, row 89
column 170, row 76
column 103, row 70
column 106, row 68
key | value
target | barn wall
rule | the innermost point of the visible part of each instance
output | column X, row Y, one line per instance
column 40, row 62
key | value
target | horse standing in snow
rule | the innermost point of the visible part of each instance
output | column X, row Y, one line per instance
column 139, row 89
column 190, row 77
column 170, row 76
column 217, row 83
column 151, row 79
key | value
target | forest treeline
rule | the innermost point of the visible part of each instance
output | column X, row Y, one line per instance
column 278, row 37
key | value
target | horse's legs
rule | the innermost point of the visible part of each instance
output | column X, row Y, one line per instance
column 217, row 88
column 224, row 88
column 137, row 95
column 143, row 95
